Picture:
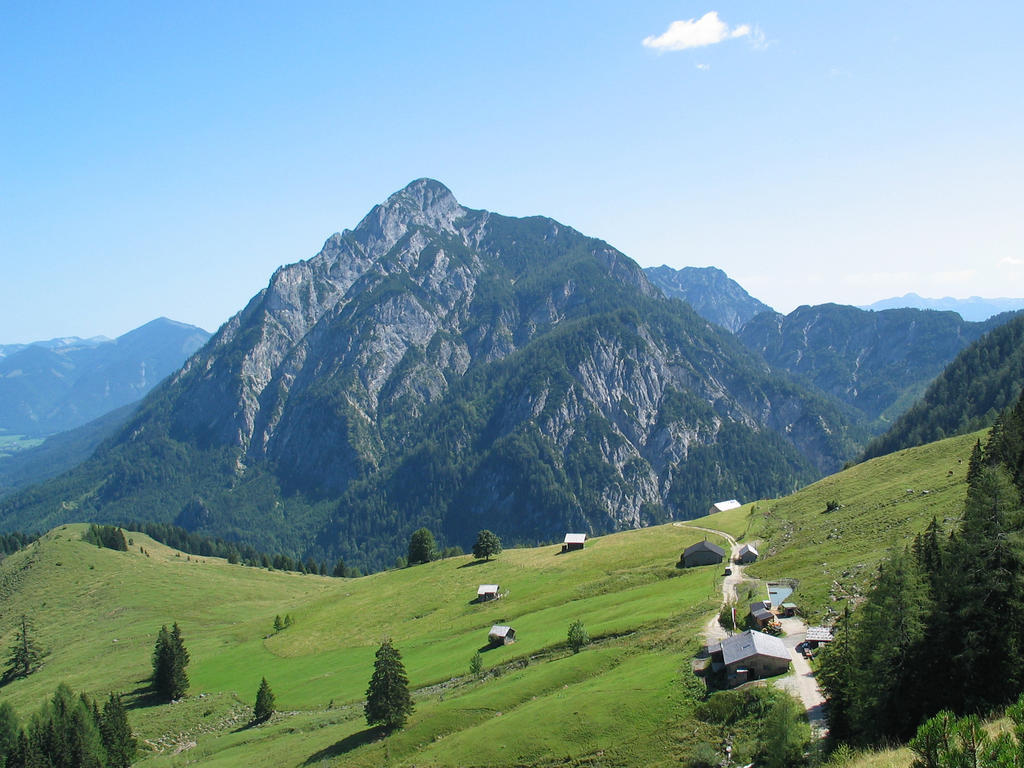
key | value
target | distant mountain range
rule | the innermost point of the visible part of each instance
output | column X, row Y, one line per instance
column 53, row 386
column 974, row 309
column 458, row 369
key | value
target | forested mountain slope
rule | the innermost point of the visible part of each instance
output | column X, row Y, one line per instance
column 984, row 379
column 454, row 368
column 876, row 362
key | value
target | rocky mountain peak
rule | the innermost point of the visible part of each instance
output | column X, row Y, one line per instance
column 422, row 203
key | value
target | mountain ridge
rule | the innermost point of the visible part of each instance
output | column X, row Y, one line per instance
column 453, row 367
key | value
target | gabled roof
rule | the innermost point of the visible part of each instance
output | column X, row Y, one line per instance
column 499, row 630
column 761, row 614
column 748, row 548
column 819, row 634
column 704, row 546
column 752, row 643
column 486, row 589
column 722, row 506
column 575, row 538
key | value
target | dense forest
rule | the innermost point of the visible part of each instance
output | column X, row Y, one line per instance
column 942, row 628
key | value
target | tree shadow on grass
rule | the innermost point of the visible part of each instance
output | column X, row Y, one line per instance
column 358, row 739
column 471, row 563
column 143, row 696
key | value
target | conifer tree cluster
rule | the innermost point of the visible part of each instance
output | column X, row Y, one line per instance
column 170, row 657
column 68, row 732
column 942, row 627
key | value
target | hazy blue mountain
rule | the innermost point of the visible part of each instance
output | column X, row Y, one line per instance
column 712, row 293
column 974, row 308
column 459, row 369
column 53, row 386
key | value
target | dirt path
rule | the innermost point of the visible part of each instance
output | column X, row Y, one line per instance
column 713, row 631
column 800, row 682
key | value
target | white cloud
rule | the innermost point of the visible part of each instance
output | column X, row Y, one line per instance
column 1010, row 261
column 695, row 33
column 703, row 67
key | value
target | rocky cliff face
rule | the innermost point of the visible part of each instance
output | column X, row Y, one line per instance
column 712, row 294
column 452, row 367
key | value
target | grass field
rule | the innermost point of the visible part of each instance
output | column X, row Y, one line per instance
column 626, row 699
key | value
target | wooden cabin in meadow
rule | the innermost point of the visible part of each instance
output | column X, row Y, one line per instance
column 747, row 554
column 702, row 553
column 501, row 635
column 724, row 506
column 487, row 592
column 573, row 541
column 750, row 655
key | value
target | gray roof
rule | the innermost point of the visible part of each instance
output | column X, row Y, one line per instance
column 819, row 634
column 748, row 548
column 704, row 546
column 499, row 630
column 487, row 589
column 761, row 614
column 575, row 538
column 752, row 643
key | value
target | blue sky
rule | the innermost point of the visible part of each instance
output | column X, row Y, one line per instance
column 165, row 158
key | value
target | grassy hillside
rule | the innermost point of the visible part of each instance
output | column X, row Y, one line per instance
column 627, row 699
column 882, row 503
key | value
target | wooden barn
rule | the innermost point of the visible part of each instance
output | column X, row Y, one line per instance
column 487, row 592
column 747, row 554
column 760, row 614
column 702, row 553
column 573, row 541
column 501, row 635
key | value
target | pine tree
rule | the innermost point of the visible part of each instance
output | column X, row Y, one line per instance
column 8, row 731
column 25, row 655
column 487, row 545
column 388, row 702
column 278, row 624
column 118, row 739
column 264, row 706
column 170, row 658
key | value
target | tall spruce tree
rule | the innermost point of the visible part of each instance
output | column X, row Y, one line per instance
column 25, row 654
column 170, row 657
column 264, row 706
column 988, row 591
column 388, row 702
column 118, row 739
column 8, row 731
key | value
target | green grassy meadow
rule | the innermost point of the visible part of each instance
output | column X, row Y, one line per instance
column 626, row 699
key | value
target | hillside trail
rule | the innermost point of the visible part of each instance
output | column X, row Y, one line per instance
column 714, row 632
column 801, row 681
